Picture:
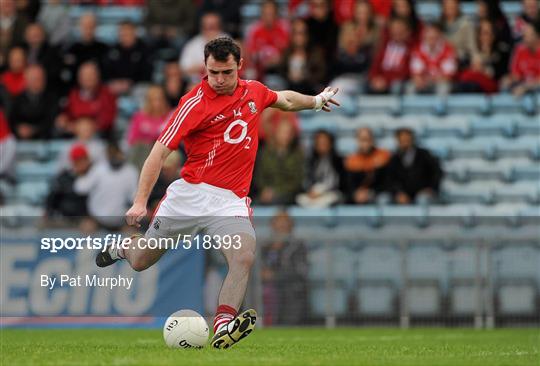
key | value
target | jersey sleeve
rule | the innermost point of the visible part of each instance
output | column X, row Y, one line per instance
column 268, row 96
column 183, row 120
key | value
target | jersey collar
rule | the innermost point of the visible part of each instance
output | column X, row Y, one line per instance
column 209, row 92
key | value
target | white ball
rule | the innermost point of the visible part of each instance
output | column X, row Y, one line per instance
column 185, row 329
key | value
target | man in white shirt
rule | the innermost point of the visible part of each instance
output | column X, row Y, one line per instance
column 110, row 186
column 192, row 57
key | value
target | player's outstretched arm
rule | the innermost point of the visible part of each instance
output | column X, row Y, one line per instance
column 147, row 180
column 292, row 101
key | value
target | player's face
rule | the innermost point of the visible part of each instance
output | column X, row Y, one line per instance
column 223, row 76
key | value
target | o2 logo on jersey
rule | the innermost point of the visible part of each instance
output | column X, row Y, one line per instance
column 243, row 134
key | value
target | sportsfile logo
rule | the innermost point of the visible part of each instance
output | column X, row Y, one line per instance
column 187, row 241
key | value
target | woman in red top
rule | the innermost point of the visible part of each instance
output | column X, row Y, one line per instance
column 146, row 124
column 13, row 78
column 89, row 99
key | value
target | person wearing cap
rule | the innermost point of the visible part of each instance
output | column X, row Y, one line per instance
column 63, row 202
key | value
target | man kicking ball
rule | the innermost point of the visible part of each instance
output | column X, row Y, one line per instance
column 218, row 121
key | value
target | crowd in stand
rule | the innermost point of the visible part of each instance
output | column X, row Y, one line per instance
column 54, row 85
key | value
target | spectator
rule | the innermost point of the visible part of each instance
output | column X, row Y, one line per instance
column 304, row 66
column 54, row 16
column 406, row 9
column 322, row 29
column 433, row 63
column 488, row 66
column 530, row 14
column 284, row 274
column 365, row 169
column 280, row 171
column 390, row 67
column 270, row 120
column 89, row 99
column 267, row 40
column 13, row 78
column 324, row 173
column 174, row 83
column 63, row 202
column 85, row 134
column 28, row 9
column 492, row 11
column 39, row 51
column 11, row 31
column 86, row 49
column 33, row 111
column 344, row 11
column 192, row 58
column 459, row 31
column 352, row 60
column 413, row 173
column 525, row 66
column 365, row 26
column 229, row 13
column 8, row 149
column 128, row 62
column 107, row 199
column 146, row 125
column 168, row 20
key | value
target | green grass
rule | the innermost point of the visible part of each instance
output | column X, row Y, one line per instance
column 278, row 346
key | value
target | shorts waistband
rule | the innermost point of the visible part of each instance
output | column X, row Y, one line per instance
column 222, row 192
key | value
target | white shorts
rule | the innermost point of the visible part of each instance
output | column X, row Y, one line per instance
column 190, row 209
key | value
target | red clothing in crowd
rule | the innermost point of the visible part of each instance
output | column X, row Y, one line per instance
column 101, row 107
column 391, row 62
column 526, row 63
column 344, row 9
column 5, row 132
column 266, row 43
column 13, row 82
column 440, row 62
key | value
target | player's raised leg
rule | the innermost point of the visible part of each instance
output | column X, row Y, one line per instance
column 229, row 326
column 137, row 254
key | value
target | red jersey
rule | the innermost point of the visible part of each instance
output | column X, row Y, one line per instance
column 220, row 133
column 433, row 63
column 526, row 63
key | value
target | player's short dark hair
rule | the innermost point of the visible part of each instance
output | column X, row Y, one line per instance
column 220, row 49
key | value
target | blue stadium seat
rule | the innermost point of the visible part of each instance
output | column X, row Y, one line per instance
column 378, row 104
column 517, row 297
column 32, row 192
column 116, row 14
column 414, row 215
column 32, row 170
column 528, row 125
column 518, row 192
column 32, row 150
column 449, row 126
column 55, row 147
column 467, row 103
column 376, row 298
column 318, row 299
column 475, row 192
column 425, row 261
column 379, row 261
column 518, row 261
column 415, row 104
column 107, row 33
column 358, row 215
column 500, row 125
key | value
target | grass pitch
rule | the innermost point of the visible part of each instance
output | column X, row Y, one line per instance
column 278, row 346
